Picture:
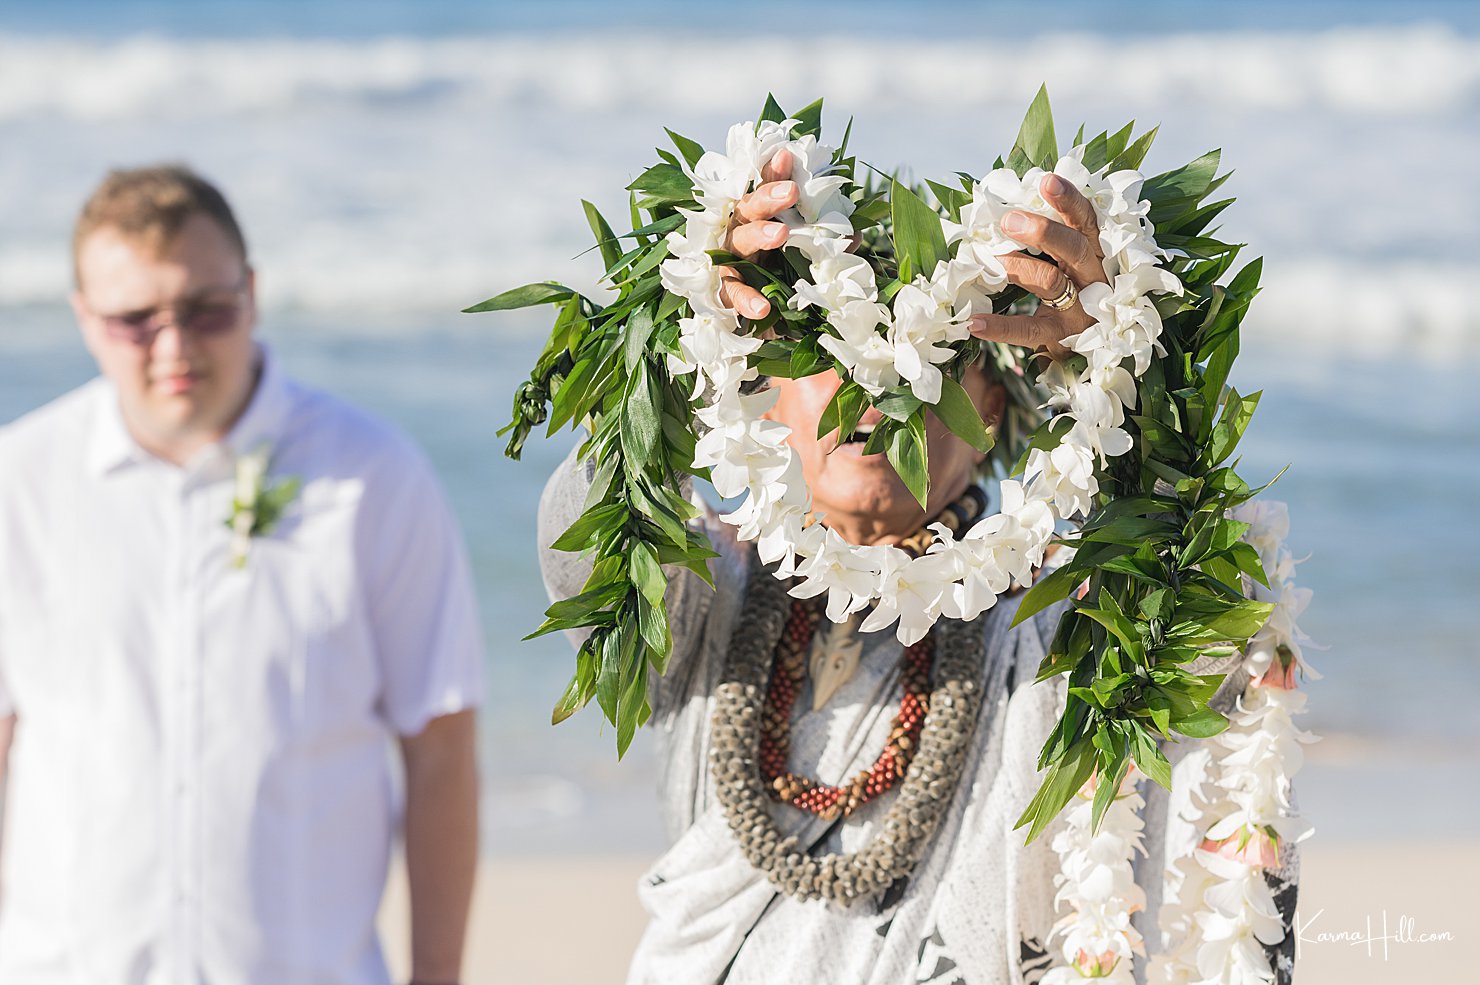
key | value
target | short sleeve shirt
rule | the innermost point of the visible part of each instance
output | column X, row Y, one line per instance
column 200, row 785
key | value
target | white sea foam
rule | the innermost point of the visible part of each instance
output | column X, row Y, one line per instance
column 1409, row 70
column 392, row 181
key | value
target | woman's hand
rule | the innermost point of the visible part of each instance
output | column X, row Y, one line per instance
column 752, row 232
column 1075, row 244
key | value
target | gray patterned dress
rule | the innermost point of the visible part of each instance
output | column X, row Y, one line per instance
column 979, row 905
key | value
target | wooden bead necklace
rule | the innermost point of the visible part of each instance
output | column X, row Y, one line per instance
column 787, row 674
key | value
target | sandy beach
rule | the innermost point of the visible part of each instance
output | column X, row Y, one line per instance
column 574, row 921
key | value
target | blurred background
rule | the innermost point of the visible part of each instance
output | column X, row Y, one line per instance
column 394, row 161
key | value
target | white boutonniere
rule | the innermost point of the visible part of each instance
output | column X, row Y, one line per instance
column 256, row 506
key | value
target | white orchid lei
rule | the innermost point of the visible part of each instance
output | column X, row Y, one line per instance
column 670, row 384
column 1221, row 916
column 1097, row 885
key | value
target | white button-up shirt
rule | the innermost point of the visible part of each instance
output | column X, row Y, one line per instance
column 200, row 785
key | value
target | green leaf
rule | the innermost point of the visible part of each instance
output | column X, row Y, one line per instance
column 611, row 250
column 1246, row 558
column 1036, row 136
column 951, row 199
column 646, row 574
column 569, row 702
column 523, row 297
column 847, row 405
column 1122, row 628
column 691, row 150
column 1048, row 590
column 1149, row 759
column 1190, row 181
column 1132, row 156
column 635, row 335
column 958, row 413
column 663, row 184
column 1064, row 779
column 900, row 405
column 809, row 120
column 641, row 424
column 1108, row 787
column 1247, row 279
column 1237, row 412
column 652, row 628
column 632, row 708
column 772, row 111
column 918, row 237
column 906, row 452
column 1157, row 605
column 1204, row 723
column 582, row 534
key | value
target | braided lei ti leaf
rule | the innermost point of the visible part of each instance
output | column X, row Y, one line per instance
column 669, row 384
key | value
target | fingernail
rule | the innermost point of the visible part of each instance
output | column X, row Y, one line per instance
column 1056, row 185
column 1015, row 222
column 756, row 307
column 776, row 235
column 779, row 191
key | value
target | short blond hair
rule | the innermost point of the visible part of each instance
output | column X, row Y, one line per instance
column 149, row 205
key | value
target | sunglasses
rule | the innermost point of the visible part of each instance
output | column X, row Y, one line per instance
column 205, row 316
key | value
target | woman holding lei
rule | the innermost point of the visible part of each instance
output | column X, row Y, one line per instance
column 837, row 861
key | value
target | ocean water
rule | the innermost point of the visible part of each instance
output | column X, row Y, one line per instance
column 393, row 162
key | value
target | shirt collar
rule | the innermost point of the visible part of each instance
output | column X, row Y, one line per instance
column 263, row 422
column 266, row 416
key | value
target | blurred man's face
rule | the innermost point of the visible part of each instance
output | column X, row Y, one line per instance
column 172, row 330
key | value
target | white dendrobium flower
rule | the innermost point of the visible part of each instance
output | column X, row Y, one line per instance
column 832, row 566
column 965, row 287
column 1129, row 246
column 910, row 590
column 867, row 355
column 1098, row 415
column 836, row 280
column 1126, row 322
column 781, row 528
column 1116, row 195
column 921, row 327
column 710, row 348
column 1017, row 193
column 980, row 233
column 982, row 580
column 742, row 450
column 826, row 237
column 1018, row 535
column 1066, row 474
column 722, row 179
column 818, row 193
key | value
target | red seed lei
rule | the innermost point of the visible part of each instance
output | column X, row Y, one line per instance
column 788, row 671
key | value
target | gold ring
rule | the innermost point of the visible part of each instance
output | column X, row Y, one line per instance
column 1065, row 300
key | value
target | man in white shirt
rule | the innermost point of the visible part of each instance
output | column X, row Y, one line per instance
column 196, row 724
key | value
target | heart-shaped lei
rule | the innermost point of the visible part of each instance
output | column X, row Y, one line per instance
column 882, row 342
column 876, row 283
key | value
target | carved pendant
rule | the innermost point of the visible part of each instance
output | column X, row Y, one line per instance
column 835, row 654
